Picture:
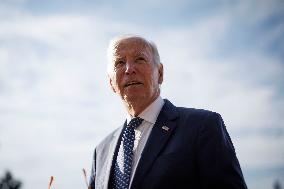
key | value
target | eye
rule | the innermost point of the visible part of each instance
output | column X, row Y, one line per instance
column 140, row 59
column 119, row 63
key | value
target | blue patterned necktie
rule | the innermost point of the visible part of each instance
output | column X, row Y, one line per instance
column 123, row 163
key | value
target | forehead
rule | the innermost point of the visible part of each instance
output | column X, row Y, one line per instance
column 131, row 46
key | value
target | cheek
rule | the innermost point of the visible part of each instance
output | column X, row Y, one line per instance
column 154, row 78
column 117, row 80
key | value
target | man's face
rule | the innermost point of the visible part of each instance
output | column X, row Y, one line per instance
column 134, row 75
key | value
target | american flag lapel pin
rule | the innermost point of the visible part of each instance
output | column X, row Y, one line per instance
column 165, row 128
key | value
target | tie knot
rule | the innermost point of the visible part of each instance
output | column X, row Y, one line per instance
column 135, row 122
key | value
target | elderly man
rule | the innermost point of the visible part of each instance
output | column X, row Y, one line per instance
column 159, row 145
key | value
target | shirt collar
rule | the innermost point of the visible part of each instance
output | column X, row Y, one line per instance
column 151, row 113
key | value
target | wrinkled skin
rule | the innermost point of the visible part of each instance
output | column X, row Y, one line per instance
column 134, row 75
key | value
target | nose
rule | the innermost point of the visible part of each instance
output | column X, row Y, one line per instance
column 130, row 68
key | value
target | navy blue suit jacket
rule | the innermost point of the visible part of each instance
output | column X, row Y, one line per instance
column 195, row 152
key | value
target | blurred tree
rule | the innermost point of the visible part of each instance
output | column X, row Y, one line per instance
column 276, row 185
column 8, row 182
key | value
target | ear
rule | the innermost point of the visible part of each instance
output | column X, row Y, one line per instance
column 161, row 73
column 111, row 85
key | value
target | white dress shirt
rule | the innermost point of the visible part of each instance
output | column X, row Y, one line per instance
column 142, row 132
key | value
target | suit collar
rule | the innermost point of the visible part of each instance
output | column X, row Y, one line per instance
column 169, row 110
column 158, row 138
column 102, row 179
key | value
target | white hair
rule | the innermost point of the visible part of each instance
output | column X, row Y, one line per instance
column 114, row 41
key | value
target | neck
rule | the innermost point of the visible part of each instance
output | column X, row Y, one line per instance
column 134, row 108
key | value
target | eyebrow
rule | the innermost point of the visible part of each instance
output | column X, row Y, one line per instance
column 142, row 53
column 118, row 57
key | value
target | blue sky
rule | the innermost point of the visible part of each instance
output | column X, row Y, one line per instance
column 55, row 102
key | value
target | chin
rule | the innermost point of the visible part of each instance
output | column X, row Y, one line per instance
column 134, row 97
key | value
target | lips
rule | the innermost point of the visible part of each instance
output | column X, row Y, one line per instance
column 132, row 83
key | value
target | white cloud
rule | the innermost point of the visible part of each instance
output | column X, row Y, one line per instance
column 263, row 151
column 54, row 94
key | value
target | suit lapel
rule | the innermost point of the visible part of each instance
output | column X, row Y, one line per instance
column 159, row 136
column 102, row 182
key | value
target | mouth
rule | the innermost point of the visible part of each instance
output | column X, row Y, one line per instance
column 132, row 83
